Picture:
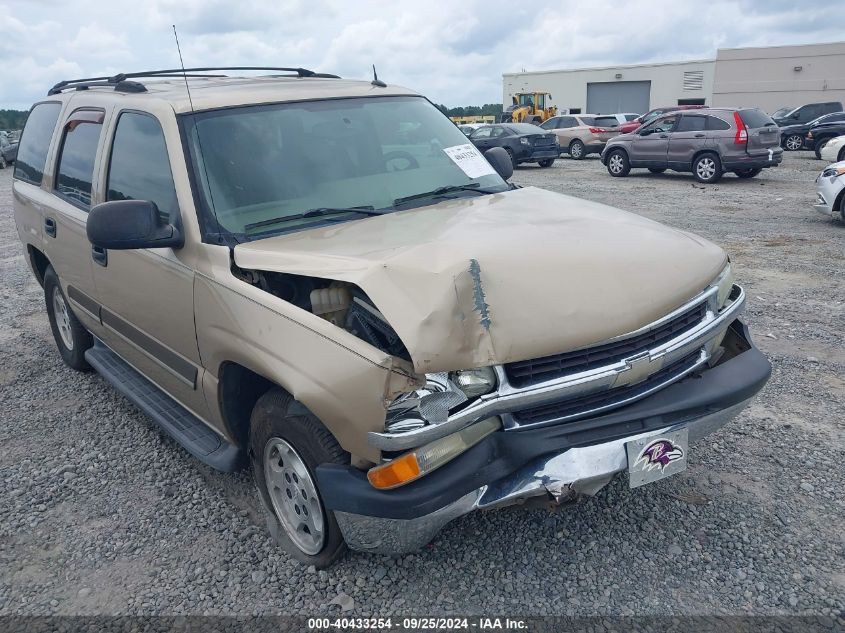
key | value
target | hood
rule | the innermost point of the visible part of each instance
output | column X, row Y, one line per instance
column 492, row 279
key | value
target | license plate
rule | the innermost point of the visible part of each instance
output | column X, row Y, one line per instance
column 655, row 457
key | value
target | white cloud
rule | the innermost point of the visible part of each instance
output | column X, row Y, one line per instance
column 453, row 52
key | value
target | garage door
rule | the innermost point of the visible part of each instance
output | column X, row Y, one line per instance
column 618, row 96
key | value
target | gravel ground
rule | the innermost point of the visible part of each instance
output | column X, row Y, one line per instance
column 101, row 514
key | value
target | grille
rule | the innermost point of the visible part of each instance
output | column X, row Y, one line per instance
column 592, row 403
column 527, row 372
column 544, row 140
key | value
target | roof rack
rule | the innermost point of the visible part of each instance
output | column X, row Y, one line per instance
column 121, row 82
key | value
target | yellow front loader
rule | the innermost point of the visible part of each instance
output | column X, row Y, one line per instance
column 529, row 107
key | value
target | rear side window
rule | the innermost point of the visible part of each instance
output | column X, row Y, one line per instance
column 76, row 161
column 692, row 124
column 754, row 118
column 715, row 123
column 35, row 142
column 139, row 168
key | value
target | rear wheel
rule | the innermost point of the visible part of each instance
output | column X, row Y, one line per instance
column 707, row 168
column 657, row 170
column 576, row 149
column 617, row 163
column 793, row 142
column 547, row 162
column 71, row 337
column 819, row 146
column 287, row 443
column 748, row 173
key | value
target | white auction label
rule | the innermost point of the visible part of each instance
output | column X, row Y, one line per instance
column 470, row 160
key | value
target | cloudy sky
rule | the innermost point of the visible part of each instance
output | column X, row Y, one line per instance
column 454, row 52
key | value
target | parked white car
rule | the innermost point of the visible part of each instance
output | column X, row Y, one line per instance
column 834, row 150
column 830, row 190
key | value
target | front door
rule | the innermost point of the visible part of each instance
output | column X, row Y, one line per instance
column 651, row 146
column 690, row 135
column 146, row 295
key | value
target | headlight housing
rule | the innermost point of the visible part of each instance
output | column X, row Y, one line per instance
column 725, row 283
column 524, row 140
column 475, row 382
column 833, row 172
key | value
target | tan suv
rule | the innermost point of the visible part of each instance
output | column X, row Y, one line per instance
column 324, row 280
column 582, row 134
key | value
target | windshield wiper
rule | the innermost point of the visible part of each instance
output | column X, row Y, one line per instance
column 473, row 186
column 313, row 213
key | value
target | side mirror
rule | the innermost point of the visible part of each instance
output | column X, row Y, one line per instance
column 644, row 132
column 500, row 161
column 131, row 224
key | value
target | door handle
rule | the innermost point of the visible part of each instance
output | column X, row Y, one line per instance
column 50, row 227
column 664, row 136
column 100, row 255
column 699, row 136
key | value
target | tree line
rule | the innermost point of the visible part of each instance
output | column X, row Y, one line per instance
column 12, row 119
column 487, row 109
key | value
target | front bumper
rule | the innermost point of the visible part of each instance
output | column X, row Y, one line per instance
column 827, row 192
column 531, row 154
column 558, row 462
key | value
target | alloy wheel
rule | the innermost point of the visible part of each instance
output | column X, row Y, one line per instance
column 706, row 168
column 62, row 316
column 615, row 163
column 794, row 142
column 293, row 494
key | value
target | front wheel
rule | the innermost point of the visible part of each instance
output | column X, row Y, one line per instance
column 707, row 168
column 71, row 337
column 747, row 173
column 793, row 142
column 576, row 149
column 547, row 162
column 841, row 156
column 287, row 443
column 819, row 146
column 617, row 163
column 512, row 156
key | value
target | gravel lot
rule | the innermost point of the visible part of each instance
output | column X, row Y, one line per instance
column 102, row 514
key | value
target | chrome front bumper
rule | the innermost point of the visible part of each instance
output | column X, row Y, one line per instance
column 577, row 471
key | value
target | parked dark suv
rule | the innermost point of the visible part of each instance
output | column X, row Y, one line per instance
column 808, row 112
column 794, row 137
column 707, row 142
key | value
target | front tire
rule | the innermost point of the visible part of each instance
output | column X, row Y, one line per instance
column 819, row 146
column 576, row 150
column 287, row 443
column 512, row 156
column 793, row 142
column 618, row 165
column 546, row 162
column 707, row 168
column 841, row 156
column 70, row 335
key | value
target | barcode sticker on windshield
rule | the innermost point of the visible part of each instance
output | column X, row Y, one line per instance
column 470, row 160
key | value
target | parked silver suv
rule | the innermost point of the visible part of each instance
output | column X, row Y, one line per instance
column 708, row 142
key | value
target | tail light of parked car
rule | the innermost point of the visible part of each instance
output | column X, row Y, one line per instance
column 741, row 137
column 597, row 130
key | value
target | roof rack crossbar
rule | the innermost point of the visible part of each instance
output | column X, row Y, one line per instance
column 120, row 82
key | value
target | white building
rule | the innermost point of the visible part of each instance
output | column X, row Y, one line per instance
column 768, row 77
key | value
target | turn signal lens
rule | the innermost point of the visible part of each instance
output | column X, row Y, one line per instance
column 428, row 458
column 726, row 284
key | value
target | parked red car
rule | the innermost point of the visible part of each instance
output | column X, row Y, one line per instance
column 630, row 126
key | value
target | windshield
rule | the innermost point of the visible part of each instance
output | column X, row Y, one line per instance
column 266, row 166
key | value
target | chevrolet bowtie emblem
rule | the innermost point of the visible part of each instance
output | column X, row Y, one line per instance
column 639, row 368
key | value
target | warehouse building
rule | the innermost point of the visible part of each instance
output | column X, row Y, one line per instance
column 769, row 78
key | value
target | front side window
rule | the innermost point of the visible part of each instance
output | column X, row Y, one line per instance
column 551, row 124
column 662, row 125
column 282, row 167
column 35, row 142
column 139, row 167
column 76, row 161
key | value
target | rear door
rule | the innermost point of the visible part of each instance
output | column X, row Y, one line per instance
column 763, row 132
column 689, row 136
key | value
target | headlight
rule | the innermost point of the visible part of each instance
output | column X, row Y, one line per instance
column 425, row 459
column 833, row 172
column 475, row 382
column 725, row 282
column 524, row 140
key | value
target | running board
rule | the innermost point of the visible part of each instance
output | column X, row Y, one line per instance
column 182, row 425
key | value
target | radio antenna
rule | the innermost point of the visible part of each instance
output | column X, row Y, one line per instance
column 199, row 142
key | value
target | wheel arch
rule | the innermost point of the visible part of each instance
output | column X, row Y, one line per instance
column 238, row 389
column 616, row 148
column 701, row 152
column 39, row 262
